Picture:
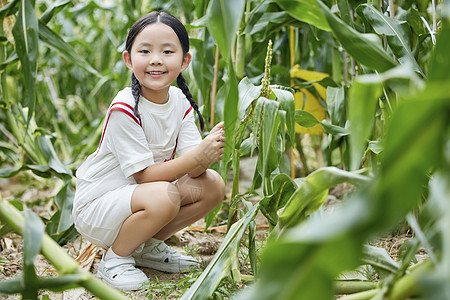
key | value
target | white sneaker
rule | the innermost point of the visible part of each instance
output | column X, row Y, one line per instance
column 121, row 273
column 157, row 255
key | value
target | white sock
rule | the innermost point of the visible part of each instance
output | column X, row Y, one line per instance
column 111, row 254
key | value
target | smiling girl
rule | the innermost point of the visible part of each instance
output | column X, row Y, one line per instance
column 149, row 177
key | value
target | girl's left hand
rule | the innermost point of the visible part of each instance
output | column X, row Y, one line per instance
column 218, row 127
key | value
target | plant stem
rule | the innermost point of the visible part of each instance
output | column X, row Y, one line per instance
column 408, row 286
column 366, row 295
column 299, row 146
column 214, row 86
column 391, row 9
column 353, row 286
column 56, row 255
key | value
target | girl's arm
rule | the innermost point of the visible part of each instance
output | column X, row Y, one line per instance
column 194, row 163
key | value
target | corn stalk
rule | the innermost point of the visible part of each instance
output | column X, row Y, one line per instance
column 71, row 275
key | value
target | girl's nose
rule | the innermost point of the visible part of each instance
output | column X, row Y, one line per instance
column 155, row 60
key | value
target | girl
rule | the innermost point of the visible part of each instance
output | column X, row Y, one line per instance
column 132, row 193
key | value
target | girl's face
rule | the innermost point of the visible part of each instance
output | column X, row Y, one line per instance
column 156, row 60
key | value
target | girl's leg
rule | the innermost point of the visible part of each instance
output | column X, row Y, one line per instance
column 154, row 205
column 199, row 196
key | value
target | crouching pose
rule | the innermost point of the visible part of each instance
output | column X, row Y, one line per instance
column 149, row 177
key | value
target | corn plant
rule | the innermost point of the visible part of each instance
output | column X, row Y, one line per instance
column 301, row 261
column 385, row 130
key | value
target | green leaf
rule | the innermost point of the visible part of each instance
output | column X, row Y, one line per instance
column 398, row 34
column 311, row 190
column 55, row 41
column 25, row 32
column 8, row 9
column 248, row 93
column 220, row 265
column 379, row 259
column 10, row 172
column 53, row 9
column 32, row 237
column 306, row 119
column 412, row 147
column 362, row 105
column 52, row 158
column 287, row 103
column 365, row 48
column 335, row 104
column 306, row 11
column 269, row 157
column 440, row 62
column 231, row 114
column 283, row 188
column 64, row 201
column 344, row 9
column 224, row 17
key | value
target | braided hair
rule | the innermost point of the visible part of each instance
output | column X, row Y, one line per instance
column 180, row 31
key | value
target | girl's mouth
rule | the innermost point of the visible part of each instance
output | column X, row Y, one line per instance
column 156, row 73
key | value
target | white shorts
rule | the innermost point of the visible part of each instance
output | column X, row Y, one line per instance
column 100, row 220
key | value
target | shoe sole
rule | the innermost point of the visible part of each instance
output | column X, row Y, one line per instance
column 163, row 267
column 123, row 287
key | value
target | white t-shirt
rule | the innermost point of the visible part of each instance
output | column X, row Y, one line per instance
column 131, row 144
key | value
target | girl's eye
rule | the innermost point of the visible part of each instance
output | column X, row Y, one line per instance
column 144, row 51
column 167, row 51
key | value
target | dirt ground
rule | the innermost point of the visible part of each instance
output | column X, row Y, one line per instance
column 192, row 240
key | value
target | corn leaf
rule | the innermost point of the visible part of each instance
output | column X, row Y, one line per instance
column 26, row 32
column 268, row 158
column 52, row 158
column 53, row 9
column 248, row 93
column 362, row 105
column 439, row 63
column 306, row 11
column 335, row 104
column 220, row 265
column 32, row 240
column 283, row 188
column 311, row 190
column 306, row 119
column 397, row 34
column 49, row 37
column 231, row 116
column 224, row 17
column 365, row 48
column 8, row 9
column 287, row 104
column 379, row 259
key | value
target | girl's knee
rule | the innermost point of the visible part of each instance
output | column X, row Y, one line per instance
column 215, row 186
column 157, row 199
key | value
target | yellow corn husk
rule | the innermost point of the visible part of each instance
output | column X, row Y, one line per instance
column 305, row 100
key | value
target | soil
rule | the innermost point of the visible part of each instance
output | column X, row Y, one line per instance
column 192, row 240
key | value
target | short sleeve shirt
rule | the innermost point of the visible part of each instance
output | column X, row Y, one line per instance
column 130, row 144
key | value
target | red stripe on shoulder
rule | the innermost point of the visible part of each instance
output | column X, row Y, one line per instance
column 187, row 111
column 123, row 107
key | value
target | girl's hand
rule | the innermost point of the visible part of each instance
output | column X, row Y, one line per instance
column 217, row 127
column 211, row 148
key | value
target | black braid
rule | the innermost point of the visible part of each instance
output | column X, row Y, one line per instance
column 136, row 91
column 184, row 88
